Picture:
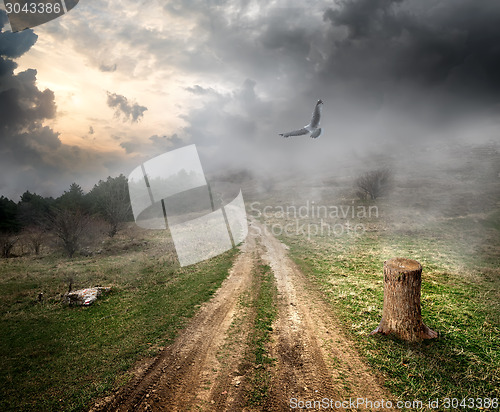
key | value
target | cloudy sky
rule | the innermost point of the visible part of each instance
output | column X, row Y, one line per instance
column 115, row 82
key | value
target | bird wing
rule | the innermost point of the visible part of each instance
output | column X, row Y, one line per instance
column 299, row 132
column 316, row 117
column 316, row 133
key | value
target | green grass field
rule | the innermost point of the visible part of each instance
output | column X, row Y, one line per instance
column 460, row 300
column 55, row 357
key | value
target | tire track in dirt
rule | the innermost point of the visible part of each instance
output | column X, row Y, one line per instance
column 206, row 367
column 178, row 378
column 314, row 358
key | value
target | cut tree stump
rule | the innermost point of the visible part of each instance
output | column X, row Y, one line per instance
column 401, row 314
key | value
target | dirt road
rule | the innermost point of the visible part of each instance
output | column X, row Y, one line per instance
column 208, row 368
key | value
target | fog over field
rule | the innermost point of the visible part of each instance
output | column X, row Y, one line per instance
column 94, row 93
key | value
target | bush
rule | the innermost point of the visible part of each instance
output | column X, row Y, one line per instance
column 69, row 226
column 35, row 237
column 374, row 184
column 7, row 242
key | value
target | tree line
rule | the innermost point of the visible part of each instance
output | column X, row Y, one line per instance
column 66, row 218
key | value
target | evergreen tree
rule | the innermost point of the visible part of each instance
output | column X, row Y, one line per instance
column 9, row 221
column 34, row 210
column 74, row 199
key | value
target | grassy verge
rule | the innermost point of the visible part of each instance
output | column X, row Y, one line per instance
column 265, row 308
column 460, row 300
column 55, row 357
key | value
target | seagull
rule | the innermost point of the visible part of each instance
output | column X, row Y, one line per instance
column 312, row 127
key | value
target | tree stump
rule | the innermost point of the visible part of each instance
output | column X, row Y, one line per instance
column 401, row 313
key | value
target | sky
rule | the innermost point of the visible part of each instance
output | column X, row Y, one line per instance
column 113, row 83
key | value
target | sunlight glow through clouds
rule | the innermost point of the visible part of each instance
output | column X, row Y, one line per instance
column 72, row 71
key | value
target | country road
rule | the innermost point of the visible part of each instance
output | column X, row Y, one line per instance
column 206, row 368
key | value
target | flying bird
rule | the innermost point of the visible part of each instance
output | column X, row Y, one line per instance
column 312, row 127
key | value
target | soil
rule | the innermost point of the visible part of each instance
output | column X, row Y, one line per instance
column 207, row 367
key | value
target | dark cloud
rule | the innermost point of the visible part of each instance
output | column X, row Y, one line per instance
column 12, row 45
column 367, row 18
column 108, row 68
column 30, row 148
column 389, row 71
column 24, row 140
column 130, row 111
column 16, row 44
column 31, row 154
column 396, row 48
column 22, row 104
column 4, row 19
column 23, row 107
column 6, row 66
column 294, row 41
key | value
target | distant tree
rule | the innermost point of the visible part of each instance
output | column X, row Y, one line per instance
column 35, row 237
column 111, row 200
column 7, row 242
column 69, row 226
column 74, row 199
column 374, row 184
column 9, row 221
column 34, row 210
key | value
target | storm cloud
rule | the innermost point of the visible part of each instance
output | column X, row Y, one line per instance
column 440, row 55
column 31, row 153
column 229, row 75
column 391, row 73
column 23, row 107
